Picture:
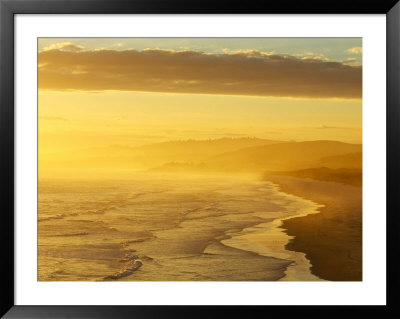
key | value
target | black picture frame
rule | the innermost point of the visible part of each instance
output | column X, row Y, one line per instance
column 8, row 10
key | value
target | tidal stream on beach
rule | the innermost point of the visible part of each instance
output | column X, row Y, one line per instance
column 165, row 228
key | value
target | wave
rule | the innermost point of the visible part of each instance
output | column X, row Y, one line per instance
column 192, row 232
column 133, row 263
column 87, row 212
column 270, row 239
column 72, row 234
column 60, row 216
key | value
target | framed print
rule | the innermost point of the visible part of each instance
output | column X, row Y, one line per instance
column 159, row 159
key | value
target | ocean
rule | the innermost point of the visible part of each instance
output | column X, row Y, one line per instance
column 167, row 228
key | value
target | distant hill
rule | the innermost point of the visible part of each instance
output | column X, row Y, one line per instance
column 276, row 157
column 226, row 155
column 195, row 149
column 351, row 160
column 284, row 156
column 192, row 151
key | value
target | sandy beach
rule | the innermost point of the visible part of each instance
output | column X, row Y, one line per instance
column 332, row 239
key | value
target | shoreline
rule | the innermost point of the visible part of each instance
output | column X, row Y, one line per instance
column 332, row 238
column 270, row 239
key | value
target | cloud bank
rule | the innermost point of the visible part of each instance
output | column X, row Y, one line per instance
column 249, row 72
column 355, row 50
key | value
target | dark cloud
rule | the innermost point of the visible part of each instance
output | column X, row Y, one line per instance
column 242, row 73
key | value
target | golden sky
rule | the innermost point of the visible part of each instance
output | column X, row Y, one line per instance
column 103, row 93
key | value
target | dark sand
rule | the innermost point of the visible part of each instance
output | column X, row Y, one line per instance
column 332, row 239
column 340, row 175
